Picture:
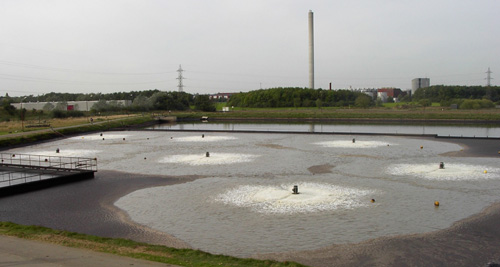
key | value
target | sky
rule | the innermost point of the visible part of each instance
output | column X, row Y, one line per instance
column 92, row 46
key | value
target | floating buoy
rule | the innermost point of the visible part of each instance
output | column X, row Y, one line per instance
column 57, row 150
column 202, row 136
column 13, row 155
column 101, row 134
column 46, row 160
column 207, row 154
column 103, row 138
column 123, row 138
column 295, row 189
column 354, row 140
column 441, row 165
column 148, row 138
column 436, row 203
column 485, row 171
column 144, row 157
column 171, row 137
column 421, row 147
column 373, row 200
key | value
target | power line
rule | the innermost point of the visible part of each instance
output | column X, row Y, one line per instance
column 180, row 78
column 488, row 77
column 22, row 65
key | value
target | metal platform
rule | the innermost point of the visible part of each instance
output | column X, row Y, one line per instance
column 25, row 172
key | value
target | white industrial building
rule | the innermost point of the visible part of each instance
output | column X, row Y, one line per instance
column 69, row 105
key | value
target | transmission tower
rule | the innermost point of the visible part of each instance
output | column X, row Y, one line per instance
column 180, row 78
column 488, row 77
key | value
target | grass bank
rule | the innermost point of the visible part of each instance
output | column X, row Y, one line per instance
column 395, row 114
column 128, row 248
column 71, row 128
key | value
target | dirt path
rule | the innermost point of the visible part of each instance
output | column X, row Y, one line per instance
column 22, row 252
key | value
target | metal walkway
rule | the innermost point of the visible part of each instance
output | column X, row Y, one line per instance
column 17, row 171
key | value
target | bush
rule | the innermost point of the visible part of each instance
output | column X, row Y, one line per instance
column 476, row 104
column 59, row 114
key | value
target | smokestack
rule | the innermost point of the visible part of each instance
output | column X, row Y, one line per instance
column 311, row 50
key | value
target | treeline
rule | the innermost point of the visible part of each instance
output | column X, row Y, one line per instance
column 296, row 97
column 446, row 93
column 140, row 101
column 61, row 97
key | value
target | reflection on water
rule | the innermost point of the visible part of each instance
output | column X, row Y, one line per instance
column 464, row 130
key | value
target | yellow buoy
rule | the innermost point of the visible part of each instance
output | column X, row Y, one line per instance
column 485, row 171
column 436, row 203
column 373, row 200
column 421, row 147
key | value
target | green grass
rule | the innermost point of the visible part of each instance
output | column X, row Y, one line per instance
column 49, row 134
column 129, row 248
column 398, row 113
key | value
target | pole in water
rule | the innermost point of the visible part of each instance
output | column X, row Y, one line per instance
column 202, row 136
column 295, row 189
column 207, row 155
column 57, row 150
column 354, row 140
column 441, row 165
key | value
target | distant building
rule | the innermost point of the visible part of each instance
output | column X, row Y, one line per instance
column 221, row 96
column 419, row 83
column 394, row 93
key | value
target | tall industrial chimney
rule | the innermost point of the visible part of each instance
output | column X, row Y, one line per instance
column 311, row 50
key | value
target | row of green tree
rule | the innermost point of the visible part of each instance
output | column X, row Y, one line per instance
column 298, row 97
column 439, row 93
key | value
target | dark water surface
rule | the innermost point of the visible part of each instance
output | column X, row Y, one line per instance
column 84, row 207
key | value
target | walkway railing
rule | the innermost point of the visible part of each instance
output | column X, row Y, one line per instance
column 24, row 168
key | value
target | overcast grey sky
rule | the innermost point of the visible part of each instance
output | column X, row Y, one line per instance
column 92, row 46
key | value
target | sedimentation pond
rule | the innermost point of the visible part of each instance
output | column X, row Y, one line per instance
column 350, row 188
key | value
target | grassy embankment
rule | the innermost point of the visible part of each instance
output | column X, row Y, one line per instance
column 61, row 127
column 385, row 113
column 128, row 248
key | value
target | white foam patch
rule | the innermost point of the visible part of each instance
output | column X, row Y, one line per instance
column 82, row 153
column 214, row 159
column 207, row 138
column 312, row 197
column 99, row 137
column 451, row 172
column 357, row 144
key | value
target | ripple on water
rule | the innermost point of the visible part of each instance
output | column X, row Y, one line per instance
column 213, row 159
column 106, row 136
column 452, row 171
column 350, row 144
column 312, row 197
column 206, row 138
column 67, row 153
